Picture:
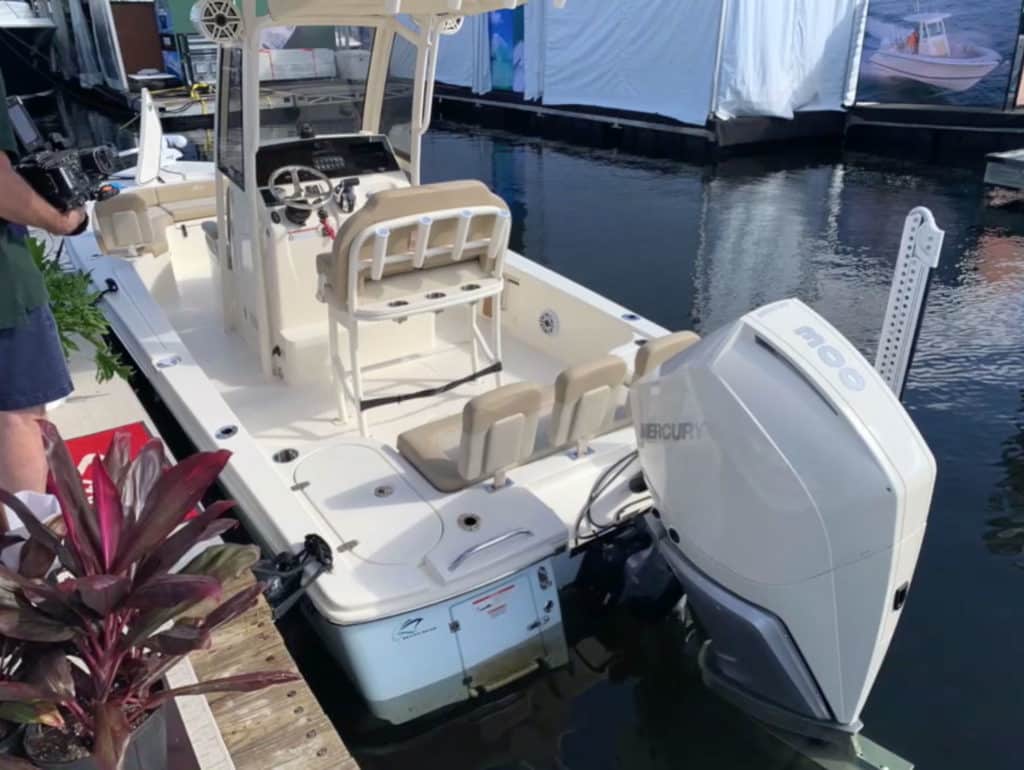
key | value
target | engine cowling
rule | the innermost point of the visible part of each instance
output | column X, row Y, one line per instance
column 794, row 490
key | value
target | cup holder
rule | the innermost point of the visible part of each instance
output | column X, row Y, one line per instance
column 397, row 303
column 436, row 295
column 471, row 287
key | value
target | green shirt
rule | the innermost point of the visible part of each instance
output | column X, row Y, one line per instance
column 21, row 284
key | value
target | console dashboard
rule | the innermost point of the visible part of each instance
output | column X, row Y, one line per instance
column 335, row 156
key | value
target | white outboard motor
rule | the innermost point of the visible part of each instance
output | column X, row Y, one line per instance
column 794, row 490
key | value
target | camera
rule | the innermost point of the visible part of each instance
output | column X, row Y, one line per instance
column 66, row 178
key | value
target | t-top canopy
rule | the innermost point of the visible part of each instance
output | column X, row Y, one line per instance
column 281, row 8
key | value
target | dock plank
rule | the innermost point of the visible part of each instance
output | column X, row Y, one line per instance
column 276, row 729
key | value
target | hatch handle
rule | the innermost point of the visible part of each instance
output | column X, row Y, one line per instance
column 498, row 540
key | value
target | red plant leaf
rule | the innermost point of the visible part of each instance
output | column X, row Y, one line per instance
column 6, row 541
column 24, row 692
column 109, row 516
column 78, row 514
column 177, row 492
column 137, row 481
column 40, row 533
column 36, row 558
column 233, row 607
column 33, row 588
column 178, row 544
column 112, row 733
column 237, row 683
column 103, row 593
column 180, row 640
column 51, row 672
column 167, row 591
column 118, row 456
column 31, row 626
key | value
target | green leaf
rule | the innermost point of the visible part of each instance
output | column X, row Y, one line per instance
column 32, row 713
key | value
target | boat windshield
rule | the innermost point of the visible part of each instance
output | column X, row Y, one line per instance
column 317, row 75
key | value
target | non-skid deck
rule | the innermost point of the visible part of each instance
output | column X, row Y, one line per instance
column 297, row 416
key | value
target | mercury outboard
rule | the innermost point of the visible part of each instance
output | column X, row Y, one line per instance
column 793, row 490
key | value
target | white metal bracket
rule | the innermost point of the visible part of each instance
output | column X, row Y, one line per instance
column 919, row 255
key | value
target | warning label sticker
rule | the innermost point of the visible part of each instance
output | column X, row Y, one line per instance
column 495, row 603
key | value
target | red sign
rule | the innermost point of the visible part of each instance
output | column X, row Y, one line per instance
column 85, row 449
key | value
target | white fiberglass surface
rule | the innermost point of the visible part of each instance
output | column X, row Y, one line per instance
column 280, row 415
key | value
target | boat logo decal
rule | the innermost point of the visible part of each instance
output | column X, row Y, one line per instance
column 410, row 629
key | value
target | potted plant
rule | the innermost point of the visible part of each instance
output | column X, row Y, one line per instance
column 98, row 599
column 73, row 304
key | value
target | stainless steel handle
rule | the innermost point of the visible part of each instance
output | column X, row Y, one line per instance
column 488, row 544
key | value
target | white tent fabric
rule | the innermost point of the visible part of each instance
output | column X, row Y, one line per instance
column 655, row 56
column 534, row 42
column 464, row 58
column 669, row 57
column 781, row 57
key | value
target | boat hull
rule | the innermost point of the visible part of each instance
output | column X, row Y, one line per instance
column 421, row 661
column 949, row 73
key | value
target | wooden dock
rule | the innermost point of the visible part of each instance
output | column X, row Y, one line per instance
column 281, row 728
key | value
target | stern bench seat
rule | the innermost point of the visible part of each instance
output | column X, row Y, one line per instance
column 585, row 402
column 136, row 221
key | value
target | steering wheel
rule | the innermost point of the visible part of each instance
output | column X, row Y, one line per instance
column 300, row 198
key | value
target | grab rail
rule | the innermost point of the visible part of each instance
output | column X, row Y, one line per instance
column 473, row 550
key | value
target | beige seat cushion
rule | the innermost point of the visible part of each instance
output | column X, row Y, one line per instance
column 585, row 399
column 495, row 431
column 405, row 202
column 128, row 223
column 659, row 350
column 189, row 210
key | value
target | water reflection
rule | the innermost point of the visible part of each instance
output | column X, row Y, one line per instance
column 1006, row 534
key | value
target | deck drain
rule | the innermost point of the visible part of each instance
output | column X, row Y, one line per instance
column 630, row 317
column 436, row 295
column 548, row 322
column 639, row 343
column 384, row 490
column 471, row 287
column 285, row 455
column 469, row 522
column 226, row 432
column 167, row 362
column 397, row 303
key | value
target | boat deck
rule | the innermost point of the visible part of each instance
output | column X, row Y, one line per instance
column 298, row 416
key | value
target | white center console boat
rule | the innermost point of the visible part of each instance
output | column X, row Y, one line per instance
column 458, row 423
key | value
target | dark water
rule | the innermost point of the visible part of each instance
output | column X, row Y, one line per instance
column 694, row 247
column 990, row 24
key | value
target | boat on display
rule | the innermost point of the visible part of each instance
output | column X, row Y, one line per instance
column 929, row 56
column 437, row 430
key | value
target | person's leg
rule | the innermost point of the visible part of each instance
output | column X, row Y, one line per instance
column 22, row 459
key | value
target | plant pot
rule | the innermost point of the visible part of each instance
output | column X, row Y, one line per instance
column 12, row 741
column 147, row 748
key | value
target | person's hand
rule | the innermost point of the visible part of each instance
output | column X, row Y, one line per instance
column 69, row 222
